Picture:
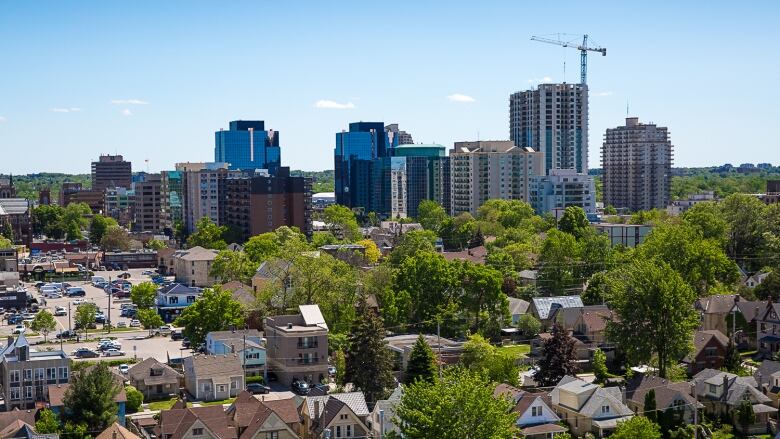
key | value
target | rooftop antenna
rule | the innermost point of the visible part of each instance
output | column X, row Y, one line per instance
column 564, row 72
column 626, row 107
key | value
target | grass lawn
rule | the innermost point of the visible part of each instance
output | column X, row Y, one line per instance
column 162, row 405
column 224, row 401
column 517, row 350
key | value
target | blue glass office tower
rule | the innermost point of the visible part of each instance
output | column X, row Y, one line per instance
column 358, row 168
column 247, row 145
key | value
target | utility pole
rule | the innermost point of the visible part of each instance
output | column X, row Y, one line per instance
column 109, row 305
column 70, row 329
column 438, row 341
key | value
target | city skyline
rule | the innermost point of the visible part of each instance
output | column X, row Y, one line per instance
column 91, row 79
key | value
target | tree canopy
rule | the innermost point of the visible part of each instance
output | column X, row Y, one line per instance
column 215, row 310
column 207, row 235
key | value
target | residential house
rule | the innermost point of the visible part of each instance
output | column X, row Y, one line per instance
column 213, row 377
column 117, row 431
column 245, row 295
column 255, row 419
column 714, row 311
column 756, row 279
column 247, row 343
column 749, row 312
column 173, row 298
column 545, row 309
column 476, row 255
column 154, row 379
column 586, row 407
column 382, row 419
column 297, row 346
column 448, row 351
column 352, row 254
column 768, row 329
column 677, row 396
column 528, row 277
column 57, row 399
column 517, row 307
column 165, row 262
column 583, row 351
column 535, row 417
column 25, row 374
column 207, row 422
column 272, row 272
column 345, row 415
column 768, row 379
column 722, row 393
column 709, row 351
column 22, row 430
column 193, row 266
column 589, row 325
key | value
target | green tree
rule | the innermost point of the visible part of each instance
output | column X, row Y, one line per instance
column 369, row 362
column 745, row 416
column 134, row 399
column 732, row 362
column 481, row 356
column 85, row 316
column 431, row 215
column 216, row 310
column 422, row 362
column 115, row 238
column 638, row 427
column 74, row 430
column 5, row 242
column 574, row 221
column 744, row 214
column 207, row 235
column 600, row 365
column 558, row 359
column 650, row 406
column 708, row 220
column 97, row 228
column 597, row 254
column 559, row 264
column 149, row 318
column 342, row 220
column 144, row 294
column 529, row 326
column 412, row 243
column 231, row 266
column 481, row 295
column 506, row 213
column 47, row 422
column 44, row 323
column 90, row 397
column 770, row 287
column 155, row 244
column 261, row 247
column 424, row 283
column 656, row 314
column 372, row 251
column 340, row 363
column 460, row 405
column 47, row 219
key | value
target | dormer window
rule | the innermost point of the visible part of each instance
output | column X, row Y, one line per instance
column 604, row 409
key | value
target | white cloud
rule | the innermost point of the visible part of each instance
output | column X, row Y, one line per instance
column 128, row 102
column 543, row 80
column 457, row 97
column 2, row 119
column 602, row 94
column 126, row 112
column 66, row 110
column 333, row 105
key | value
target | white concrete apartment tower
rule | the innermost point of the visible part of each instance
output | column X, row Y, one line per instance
column 553, row 119
column 637, row 166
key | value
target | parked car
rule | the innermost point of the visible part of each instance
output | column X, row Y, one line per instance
column 257, row 388
column 100, row 318
column 113, row 353
column 164, row 330
column 76, row 292
column 85, row 353
column 128, row 312
column 177, row 335
column 78, row 302
column 185, row 343
column 121, row 324
column 123, row 368
column 14, row 320
column 19, row 329
column 60, row 311
column 148, row 273
column 135, row 323
column 111, row 344
column 66, row 334
column 300, row 387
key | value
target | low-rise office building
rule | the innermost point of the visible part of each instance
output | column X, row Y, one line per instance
column 26, row 374
column 193, row 266
column 297, row 346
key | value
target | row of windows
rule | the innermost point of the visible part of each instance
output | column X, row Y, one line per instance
column 50, row 373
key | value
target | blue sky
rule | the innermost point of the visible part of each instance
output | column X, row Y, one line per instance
column 153, row 80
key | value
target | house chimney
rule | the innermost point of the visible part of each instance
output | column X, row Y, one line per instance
column 317, row 410
column 289, row 326
column 725, row 385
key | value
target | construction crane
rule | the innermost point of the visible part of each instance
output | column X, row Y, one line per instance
column 583, row 48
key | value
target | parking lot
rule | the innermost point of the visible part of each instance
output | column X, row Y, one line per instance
column 134, row 341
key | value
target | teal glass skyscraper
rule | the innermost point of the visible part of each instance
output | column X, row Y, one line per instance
column 247, row 145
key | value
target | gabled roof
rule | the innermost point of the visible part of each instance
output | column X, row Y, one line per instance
column 703, row 338
column 355, row 400
column 116, row 431
column 197, row 253
column 544, row 305
column 718, row 304
column 216, row 366
column 765, row 373
column 271, row 268
column 737, row 387
column 143, row 372
column 240, row 292
column 176, row 423
column 518, row 306
column 666, row 392
column 750, row 309
column 177, row 288
column 595, row 397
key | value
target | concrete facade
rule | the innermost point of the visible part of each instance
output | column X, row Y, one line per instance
column 26, row 375
column 563, row 188
column 297, row 346
column 111, row 171
column 152, row 213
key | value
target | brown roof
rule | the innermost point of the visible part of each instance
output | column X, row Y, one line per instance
column 665, row 391
column 702, row 339
column 116, row 431
column 528, row 398
column 143, row 372
column 507, row 390
column 596, row 320
column 240, row 292
column 719, row 304
column 476, row 255
column 26, row 416
column 544, row 428
column 286, row 409
column 12, row 429
column 178, row 422
column 751, row 309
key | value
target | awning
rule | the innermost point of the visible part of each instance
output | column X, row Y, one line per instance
column 544, row 428
column 763, row 408
column 607, row 424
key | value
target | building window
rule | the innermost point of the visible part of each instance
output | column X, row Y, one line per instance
column 39, row 374
column 28, row 392
column 604, row 409
column 713, row 389
column 536, row 411
column 51, row 373
column 197, row 432
column 28, row 374
column 272, row 435
column 349, row 430
column 14, row 376
column 63, row 373
column 15, row 394
column 221, row 388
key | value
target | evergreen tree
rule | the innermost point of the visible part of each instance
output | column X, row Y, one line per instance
column 47, row 423
column 650, row 407
column 600, row 365
column 732, row 362
column 422, row 363
column 745, row 415
column 369, row 362
column 90, row 397
column 559, row 358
